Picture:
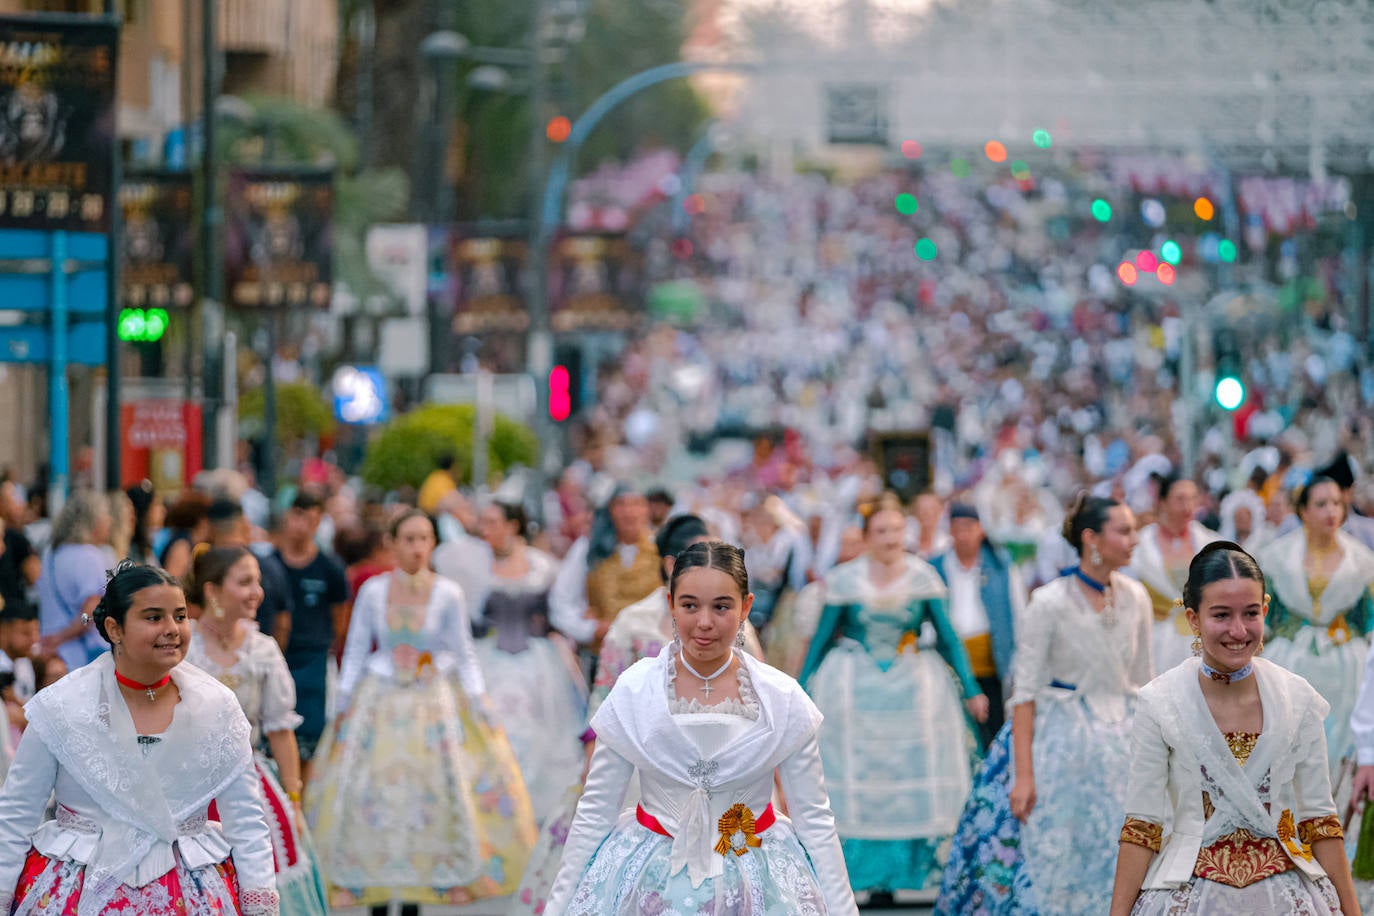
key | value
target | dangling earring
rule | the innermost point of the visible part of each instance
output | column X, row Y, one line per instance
column 677, row 640
column 1197, row 644
column 216, row 609
column 1094, row 555
column 739, row 636
column 1259, row 650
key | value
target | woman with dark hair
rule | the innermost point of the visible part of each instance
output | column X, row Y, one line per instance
column 149, row 513
column 897, row 746
column 395, row 808
column 1161, row 560
column 1036, row 832
column 227, row 644
column 536, row 689
column 704, row 726
column 187, row 524
column 1229, row 808
column 1321, row 611
column 133, row 748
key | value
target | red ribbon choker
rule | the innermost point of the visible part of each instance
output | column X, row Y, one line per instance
column 150, row 689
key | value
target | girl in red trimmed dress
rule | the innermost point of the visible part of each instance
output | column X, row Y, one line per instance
column 227, row 644
column 133, row 748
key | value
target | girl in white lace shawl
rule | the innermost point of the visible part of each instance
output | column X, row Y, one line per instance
column 134, row 747
column 704, row 727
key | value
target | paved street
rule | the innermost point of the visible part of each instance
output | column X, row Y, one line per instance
column 911, row 905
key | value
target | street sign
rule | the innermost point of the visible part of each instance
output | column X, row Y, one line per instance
column 360, row 396
column 25, row 283
column 32, row 343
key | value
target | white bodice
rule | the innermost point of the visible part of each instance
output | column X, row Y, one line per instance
column 259, row 678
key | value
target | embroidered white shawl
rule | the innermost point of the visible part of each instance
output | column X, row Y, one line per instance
column 1283, row 563
column 635, row 722
column 1147, row 561
column 85, row 724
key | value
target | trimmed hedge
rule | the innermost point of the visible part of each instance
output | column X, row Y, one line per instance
column 409, row 447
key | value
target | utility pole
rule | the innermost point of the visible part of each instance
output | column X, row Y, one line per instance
column 539, row 352
column 211, row 217
column 113, row 434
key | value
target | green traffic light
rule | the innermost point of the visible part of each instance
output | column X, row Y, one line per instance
column 138, row 326
column 1102, row 211
column 907, row 204
column 1226, row 250
column 1229, row 392
column 1171, row 252
column 1042, row 139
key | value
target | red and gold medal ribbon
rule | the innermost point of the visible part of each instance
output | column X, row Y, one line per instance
column 1288, row 836
column 738, row 819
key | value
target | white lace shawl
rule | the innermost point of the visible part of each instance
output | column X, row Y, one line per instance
column 1283, row 562
column 85, row 724
column 1147, row 561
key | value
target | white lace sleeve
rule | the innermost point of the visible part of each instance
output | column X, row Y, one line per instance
column 278, row 692
column 358, row 644
column 245, row 827
column 23, row 797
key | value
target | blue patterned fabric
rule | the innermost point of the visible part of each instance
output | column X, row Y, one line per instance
column 985, row 874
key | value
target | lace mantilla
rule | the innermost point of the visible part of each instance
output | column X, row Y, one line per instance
column 259, row 901
column 747, row 706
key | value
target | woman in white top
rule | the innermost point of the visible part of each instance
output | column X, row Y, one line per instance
column 395, row 811
column 704, row 727
column 1160, row 562
column 1229, row 809
column 227, row 644
column 133, row 748
column 1036, row 833
column 1321, row 609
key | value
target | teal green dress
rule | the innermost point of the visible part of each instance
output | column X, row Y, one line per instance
column 897, row 747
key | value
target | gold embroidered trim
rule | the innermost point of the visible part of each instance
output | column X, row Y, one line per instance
column 1140, row 832
column 1242, row 744
column 1241, row 859
column 1327, row 827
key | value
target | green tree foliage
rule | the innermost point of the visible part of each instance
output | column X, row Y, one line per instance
column 302, row 413
column 409, row 447
column 621, row 38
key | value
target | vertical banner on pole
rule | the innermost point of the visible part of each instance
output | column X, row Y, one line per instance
column 278, row 239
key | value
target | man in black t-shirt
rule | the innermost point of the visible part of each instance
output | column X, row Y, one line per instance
column 19, row 564
column 319, row 591
column 229, row 528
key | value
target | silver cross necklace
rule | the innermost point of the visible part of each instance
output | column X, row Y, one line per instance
column 704, row 678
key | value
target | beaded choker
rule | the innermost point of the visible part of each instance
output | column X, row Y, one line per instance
column 150, row 689
column 1089, row 581
column 1228, row 677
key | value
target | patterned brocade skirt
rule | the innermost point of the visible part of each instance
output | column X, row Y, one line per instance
column 414, row 801
column 52, row 887
column 1290, row 893
column 629, row 876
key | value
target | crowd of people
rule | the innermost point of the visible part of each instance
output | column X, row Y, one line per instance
column 442, row 706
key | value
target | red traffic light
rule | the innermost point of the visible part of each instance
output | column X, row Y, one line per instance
column 560, row 394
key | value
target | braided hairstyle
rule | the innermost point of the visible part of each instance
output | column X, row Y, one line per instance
column 127, row 579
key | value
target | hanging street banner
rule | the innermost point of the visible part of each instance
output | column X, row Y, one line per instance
column 596, row 284
column 57, row 122
column 158, row 244
column 278, row 245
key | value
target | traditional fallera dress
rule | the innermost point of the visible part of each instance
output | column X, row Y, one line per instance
column 1173, row 637
column 262, row 682
column 535, row 686
column 1242, row 809
column 639, row 631
column 897, row 746
column 1082, row 670
column 415, row 801
column 130, row 833
column 1319, row 629
column 704, row 838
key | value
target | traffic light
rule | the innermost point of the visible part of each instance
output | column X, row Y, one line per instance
column 565, row 383
column 1229, row 388
column 139, row 326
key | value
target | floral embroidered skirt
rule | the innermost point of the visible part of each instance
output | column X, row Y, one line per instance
column 629, row 876
column 52, row 887
column 541, row 702
column 415, row 801
column 1290, row 893
column 1063, row 859
column 898, row 757
column 537, row 882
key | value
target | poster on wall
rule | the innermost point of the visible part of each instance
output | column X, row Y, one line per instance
column 157, row 246
column 278, row 245
column 57, row 122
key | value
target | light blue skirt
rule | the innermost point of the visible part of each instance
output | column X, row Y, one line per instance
column 629, row 876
